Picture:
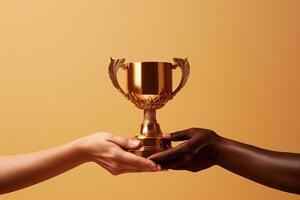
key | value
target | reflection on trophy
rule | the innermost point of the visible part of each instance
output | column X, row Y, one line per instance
column 149, row 87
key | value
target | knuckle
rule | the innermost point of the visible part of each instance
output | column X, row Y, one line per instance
column 193, row 130
column 125, row 142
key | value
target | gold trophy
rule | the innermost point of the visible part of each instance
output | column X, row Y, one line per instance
column 149, row 87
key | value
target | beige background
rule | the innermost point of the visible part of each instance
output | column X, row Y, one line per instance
column 54, row 85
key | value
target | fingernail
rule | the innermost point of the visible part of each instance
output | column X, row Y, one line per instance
column 166, row 135
column 133, row 142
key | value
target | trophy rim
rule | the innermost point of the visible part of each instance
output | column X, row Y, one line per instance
column 158, row 62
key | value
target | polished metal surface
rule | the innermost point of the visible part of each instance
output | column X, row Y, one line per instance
column 149, row 87
column 150, row 83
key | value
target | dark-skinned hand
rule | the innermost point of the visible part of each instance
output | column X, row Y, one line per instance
column 198, row 152
column 203, row 148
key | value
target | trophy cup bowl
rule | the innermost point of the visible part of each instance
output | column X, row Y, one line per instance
column 149, row 87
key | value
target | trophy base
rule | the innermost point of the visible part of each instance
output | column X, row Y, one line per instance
column 150, row 145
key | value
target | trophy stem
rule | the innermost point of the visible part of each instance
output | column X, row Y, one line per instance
column 150, row 114
column 150, row 136
column 150, row 127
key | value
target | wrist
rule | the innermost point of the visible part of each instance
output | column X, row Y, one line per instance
column 79, row 151
column 218, row 150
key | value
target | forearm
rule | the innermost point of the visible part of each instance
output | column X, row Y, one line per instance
column 23, row 170
column 279, row 170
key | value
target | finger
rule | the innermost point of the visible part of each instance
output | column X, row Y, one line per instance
column 196, row 140
column 178, row 135
column 181, row 162
column 125, row 143
column 193, row 145
column 172, row 165
column 134, row 168
column 137, row 161
column 168, row 155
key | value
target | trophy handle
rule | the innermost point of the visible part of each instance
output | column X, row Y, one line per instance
column 114, row 65
column 185, row 69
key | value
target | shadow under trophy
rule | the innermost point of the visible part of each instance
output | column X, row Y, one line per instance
column 149, row 87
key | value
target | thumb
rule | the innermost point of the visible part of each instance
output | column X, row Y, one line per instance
column 125, row 143
column 178, row 135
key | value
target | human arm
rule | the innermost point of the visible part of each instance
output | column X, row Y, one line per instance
column 105, row 149
column 204, row 148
